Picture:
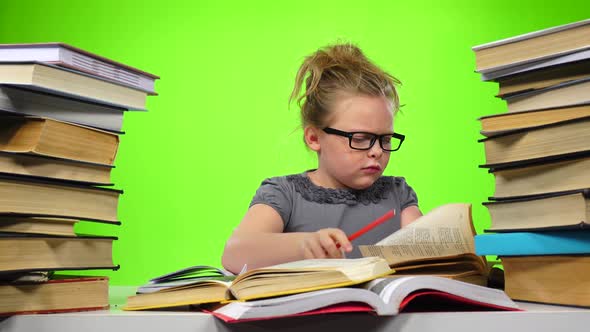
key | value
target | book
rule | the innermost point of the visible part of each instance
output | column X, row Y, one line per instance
column 543, row 78
column 528, row 146
column 185, row 276
column 55, row 168
column 533, row 243
column 534, row 46
column 383, row 297
column 26, row 252
column 28, row 102
column 53, row 138
column 282, row 279
column 514, row 70
column 560, row 95
column 69, row 83
column 493, row 125
column 75, row 58
column 566, row 210
column 30, row 196
column 440, row 242
column 555, row 279
column 547, row 177
column 61, row 294
column 37, row 225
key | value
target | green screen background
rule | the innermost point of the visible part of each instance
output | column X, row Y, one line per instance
column 221, row 123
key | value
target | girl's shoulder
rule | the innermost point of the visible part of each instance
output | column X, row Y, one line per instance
column 300, row 185
column 384, row 187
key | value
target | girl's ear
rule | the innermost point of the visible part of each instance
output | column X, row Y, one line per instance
column 312, row 139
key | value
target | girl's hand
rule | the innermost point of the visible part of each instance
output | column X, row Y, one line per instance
column 325, row 243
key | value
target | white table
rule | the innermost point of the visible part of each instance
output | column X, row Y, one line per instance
column 537, row 318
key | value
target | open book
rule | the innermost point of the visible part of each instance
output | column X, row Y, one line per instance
column 184, row 277
column 384, row 296
column 438, row 243
column 289, row 278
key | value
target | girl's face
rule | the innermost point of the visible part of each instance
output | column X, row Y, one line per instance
column 340, row 166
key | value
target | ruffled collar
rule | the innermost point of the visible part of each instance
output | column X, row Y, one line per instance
column 314, row 193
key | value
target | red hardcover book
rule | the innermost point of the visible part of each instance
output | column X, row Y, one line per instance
column 61, row 294
column 382, row 297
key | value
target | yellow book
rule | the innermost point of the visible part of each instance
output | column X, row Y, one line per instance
column 51, row 138
column 289, row 278
column 37, row 225
column 73, row 84
column 438, row 243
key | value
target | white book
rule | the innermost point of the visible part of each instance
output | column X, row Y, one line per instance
column 27, row 102
column 72, row 57
column 383, row 296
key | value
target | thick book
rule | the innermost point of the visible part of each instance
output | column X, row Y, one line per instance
column 42, row 225
column 37, row 225
column 493, row 125
column 69, row 83
column 570, row 93
column 61, row 294
column 283, row 279
column 21, row 253
column 547, row 177
column 544, row 143
column 543, row 78
column 29, row 102
column 533, row 243
column 47, row 137
column 534, row 46
column 75, row 58
column 565, row 210
column 440, row 242
column 556, row 279
column 383, row 297
column 53, row 168
column 21, row 195
column 554, row 61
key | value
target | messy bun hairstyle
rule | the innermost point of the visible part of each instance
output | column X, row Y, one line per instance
column 333, row 70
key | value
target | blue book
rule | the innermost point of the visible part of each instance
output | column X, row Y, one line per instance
column 529, row 243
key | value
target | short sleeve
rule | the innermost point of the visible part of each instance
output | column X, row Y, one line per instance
column 407, row 196
column 275, row 193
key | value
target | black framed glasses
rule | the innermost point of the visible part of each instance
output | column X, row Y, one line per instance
column 360, row 140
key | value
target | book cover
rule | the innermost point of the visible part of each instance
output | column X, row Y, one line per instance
column 383, row 297
column 61, row 294
column 78, row 59
column 530, row 243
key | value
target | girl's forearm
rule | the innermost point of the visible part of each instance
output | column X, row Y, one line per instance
column 258, row 249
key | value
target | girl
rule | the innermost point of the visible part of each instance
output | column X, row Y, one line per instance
column 347, row 112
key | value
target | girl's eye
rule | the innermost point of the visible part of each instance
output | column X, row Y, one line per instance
column 359, row 138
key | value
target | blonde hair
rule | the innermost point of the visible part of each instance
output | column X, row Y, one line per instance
column 337, row 69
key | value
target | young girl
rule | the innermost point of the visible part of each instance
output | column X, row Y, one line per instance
column 347, row 112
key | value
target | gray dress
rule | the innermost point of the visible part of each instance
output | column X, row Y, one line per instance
column 306, row 207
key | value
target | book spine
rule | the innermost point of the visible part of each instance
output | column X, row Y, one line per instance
column 529, row 243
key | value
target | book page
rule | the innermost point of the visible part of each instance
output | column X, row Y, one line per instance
column 323, row 263
column 347, row 270
column 444, row 232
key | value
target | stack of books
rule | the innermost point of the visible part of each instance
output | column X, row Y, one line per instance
column 61, row 113
column 428, row 266
column 539, row 154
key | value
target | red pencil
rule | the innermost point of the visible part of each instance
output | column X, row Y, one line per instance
column 372, row 225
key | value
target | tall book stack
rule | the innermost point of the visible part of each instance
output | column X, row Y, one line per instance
column 61, row 113
column 539, row 154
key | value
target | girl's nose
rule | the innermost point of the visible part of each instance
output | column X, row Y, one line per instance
column 375, row 151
